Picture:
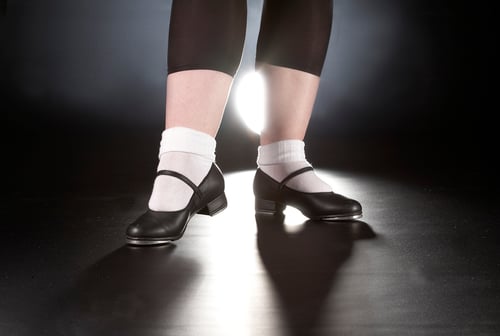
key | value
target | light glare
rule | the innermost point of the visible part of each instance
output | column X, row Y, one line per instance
column 250, row 100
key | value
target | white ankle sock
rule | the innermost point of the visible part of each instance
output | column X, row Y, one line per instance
column 280, row 159
column 188, row 152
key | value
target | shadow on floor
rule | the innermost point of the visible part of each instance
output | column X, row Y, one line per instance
column 302, row 265
column 128, row 292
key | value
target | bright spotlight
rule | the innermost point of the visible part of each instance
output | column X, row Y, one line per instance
column 250, row 100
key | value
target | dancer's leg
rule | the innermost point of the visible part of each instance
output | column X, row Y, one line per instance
column 292, row 46
column 205, row 44
column 204, row 50
column 291, row 51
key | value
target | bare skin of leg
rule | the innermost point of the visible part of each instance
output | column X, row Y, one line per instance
column 196, row 99
column 290, row 99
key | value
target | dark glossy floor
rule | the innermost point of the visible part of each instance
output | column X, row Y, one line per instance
column 404, row 123
column 423, row 261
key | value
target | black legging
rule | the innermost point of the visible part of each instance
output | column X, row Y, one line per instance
column 209, row 34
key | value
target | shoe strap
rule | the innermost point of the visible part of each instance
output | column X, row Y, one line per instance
column 292, row 175
column 183, row 179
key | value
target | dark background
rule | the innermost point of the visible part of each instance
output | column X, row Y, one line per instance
column 406, row 93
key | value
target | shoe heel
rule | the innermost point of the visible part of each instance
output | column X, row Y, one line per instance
column 215, row 206
column 268, row 207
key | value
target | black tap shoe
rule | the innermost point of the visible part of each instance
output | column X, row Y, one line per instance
column 271, row 197
column 160, row 227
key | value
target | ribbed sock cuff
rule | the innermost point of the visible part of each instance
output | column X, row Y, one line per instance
column 281, row 152
column 187, row 140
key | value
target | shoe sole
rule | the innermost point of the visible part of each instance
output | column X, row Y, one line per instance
column 272, row 208
column 137, row 242
column 336, row 218
column 339, row 217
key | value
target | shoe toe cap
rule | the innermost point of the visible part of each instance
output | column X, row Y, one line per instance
column 355, row 206
column 146, row 226
column 134, row 230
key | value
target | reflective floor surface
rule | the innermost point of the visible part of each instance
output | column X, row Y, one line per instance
column 422, row 261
